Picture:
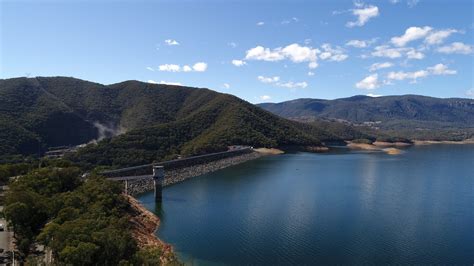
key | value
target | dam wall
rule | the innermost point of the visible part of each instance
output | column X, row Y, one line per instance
column 138, row 179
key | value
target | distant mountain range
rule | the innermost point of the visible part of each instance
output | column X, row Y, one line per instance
column 135, row 122
column 148, row 121
column 389, row 112
column 406, row 116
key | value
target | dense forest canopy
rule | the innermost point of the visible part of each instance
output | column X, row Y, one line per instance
column 151, row 121
column 82, row 223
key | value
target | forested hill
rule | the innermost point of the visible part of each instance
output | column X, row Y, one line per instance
column 154, row 121
column 392, row 112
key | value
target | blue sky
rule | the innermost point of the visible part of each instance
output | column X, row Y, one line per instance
column 258, row 50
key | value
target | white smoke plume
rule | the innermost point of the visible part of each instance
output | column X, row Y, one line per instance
column 107, row 131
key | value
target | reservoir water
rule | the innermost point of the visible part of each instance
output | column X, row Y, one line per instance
column 334, row 208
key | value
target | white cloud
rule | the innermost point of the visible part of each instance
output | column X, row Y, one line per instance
column 431, row 36
column 170, row 83
column 332, row 54
column 470, row 93
column 169, row 68
column 438, row 69
column 390, row 52
column 357, row 43
column 339, row 57
column 313, row 65
column 394, row 1
column 363, row 15
column 338, row 12
column 414, row 54
column 387, row 51
column 293, row 85
column 265, row 54
column 288, row 21
column 265, row 97
column 150, row 68
column 310, row 73
column 171, row 42
column 200, row 67
column 368, row 83
column 276, row 80
column 238, row 63
column 377, row 66
column 298, row 54
column 441, row 69
column 358, row 3
column 260, row 23
column 268, row 79
column 373, row 95
column 411, row 34
column 438, row 37
column 412, row 3
column 456, row 48
column 325, row 55
column 293, row 52
column 408, row 75
column 226, row 85
column 164, row 82
column 232, row 44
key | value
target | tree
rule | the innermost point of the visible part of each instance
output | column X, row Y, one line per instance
column 82, row 254
column 30, row 202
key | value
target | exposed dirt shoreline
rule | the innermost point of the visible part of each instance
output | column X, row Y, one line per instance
column 393, row 148
column 144, row 225
column 391, row 144
column 430, row 142
column 268, row 151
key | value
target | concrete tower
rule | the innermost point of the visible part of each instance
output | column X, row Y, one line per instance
column 158, row 178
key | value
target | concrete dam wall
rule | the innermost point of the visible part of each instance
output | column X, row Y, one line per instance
column 178, row 170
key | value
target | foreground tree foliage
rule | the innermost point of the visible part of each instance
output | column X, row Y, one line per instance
column 82, row 223
column 30, row 202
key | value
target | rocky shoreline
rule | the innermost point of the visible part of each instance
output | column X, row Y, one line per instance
column 393, row 148
column 387, row 147
column 144, row 225
column 174, row 176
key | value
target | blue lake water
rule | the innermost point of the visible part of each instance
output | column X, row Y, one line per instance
column 335, row 208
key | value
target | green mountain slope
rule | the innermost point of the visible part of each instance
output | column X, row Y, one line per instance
column 151, row 121
column 212, row 127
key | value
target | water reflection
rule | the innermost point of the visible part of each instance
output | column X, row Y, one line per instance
column 368, row 173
